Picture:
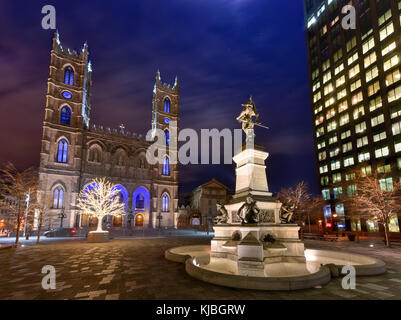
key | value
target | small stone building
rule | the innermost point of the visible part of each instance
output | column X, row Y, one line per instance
column 203, row 202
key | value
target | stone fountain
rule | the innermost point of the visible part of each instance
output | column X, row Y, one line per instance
column 250, row 229
column 255, row 244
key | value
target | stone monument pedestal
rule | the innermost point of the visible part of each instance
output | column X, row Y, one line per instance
column 98, row 236
column 236, row 242
column 250, row 256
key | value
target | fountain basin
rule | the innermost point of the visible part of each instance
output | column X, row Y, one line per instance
column 281, row 276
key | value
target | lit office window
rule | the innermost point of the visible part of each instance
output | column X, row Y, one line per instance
column 382, row 152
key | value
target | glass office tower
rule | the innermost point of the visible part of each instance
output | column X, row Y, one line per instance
column 355, row 87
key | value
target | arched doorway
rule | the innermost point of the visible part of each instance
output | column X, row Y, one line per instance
column 195, row 220
column 141, row 206
column 138, row 220
column 118, row 221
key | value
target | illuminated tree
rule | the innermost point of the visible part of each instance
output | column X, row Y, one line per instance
column 376, row 200
column 100, row 199
column 17, row 185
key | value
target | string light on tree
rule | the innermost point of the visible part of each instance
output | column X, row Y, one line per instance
column 100, row 200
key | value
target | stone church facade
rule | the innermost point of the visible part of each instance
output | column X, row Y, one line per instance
column 74, row 152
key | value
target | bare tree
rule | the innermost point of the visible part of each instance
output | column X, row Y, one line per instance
column 17, row 185
column 297, row 197
column 376, row 200
column 101, row 200
column 314, row 210
column 302, row 203
column 46, row 216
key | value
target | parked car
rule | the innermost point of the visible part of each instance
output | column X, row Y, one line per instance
column 3, row 234
column 61, row 232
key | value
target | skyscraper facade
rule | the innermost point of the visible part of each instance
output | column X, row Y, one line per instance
column 354, row 53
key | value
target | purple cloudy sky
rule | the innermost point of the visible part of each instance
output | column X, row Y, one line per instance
column 221, row 50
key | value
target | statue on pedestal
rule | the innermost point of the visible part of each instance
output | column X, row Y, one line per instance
column 246, row 118
column 287, row 213
column 249, row 111
column 222, row 216
column 249, row 211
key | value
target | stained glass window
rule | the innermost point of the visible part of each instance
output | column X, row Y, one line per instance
column 167, row 105
column 65, row 118
column 166, row 167
column 67, row 95
column 69, row 76
column 167, row 137
column 140, row 202
column 165, row 200
column 58, row 198
column 62, row 151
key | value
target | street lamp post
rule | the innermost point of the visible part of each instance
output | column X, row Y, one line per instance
column 27, row 200
column 160, row 217
column 62, row 216
column 335, row 221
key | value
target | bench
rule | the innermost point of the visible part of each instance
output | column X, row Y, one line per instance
column 312, row 236
column 330, row 238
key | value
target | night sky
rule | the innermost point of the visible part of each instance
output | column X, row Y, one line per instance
column 221, row 50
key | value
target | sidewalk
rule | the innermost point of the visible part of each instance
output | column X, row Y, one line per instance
column 114, row 234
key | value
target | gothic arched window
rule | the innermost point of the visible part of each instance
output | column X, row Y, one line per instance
column 166, row 167
column 58, row 198
column 167, row 105
column 142, row 164
column 165, row 200
column 94, row 154
column 62, row 151
column 65, row 118
column 69, row 76
column 140, row 202
column 167, row 137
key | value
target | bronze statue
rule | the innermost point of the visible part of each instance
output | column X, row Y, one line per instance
column 248, row 112
column 287, row 213
column 248, row 213
column 222, row 216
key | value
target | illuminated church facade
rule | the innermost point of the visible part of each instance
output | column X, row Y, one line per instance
column 74, row 152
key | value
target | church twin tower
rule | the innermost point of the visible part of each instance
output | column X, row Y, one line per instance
column 73, row 151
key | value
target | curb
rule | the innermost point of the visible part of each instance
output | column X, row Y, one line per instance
column 8, row 247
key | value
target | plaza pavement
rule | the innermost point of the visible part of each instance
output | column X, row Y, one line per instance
column 136, row 269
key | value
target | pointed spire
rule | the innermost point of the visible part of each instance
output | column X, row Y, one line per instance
column 56, row 41
column 57, row 36
column 176, row 82
column 158, row 75
column 85, row 52
column 90, row 69
column 85, row 47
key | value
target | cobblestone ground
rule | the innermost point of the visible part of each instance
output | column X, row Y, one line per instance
column 136, row 269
